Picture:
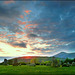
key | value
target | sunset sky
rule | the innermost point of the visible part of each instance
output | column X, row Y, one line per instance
column 36, row 27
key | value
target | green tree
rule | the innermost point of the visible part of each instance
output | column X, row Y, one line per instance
column 42, row 62
column 55, row 63
column 10, row 62
column 74, row 60
column 34, row 60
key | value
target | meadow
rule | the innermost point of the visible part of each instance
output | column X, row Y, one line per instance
column 39, row 70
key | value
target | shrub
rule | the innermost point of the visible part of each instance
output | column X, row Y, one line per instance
column 10, row 62
column 34, row 60
column 65, row 65
column 55, row 63
column 22, row 63
column 1, row 63
column 48, row 64
column 16, row 64
column 37, row 63
column 73, row 63
column 32, row 64
column 60, row 65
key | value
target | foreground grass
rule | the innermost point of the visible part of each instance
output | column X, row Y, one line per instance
column 40, row 70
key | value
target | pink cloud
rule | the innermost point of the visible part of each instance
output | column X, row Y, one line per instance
column 1, row 50
column 27, row 11
column 20, row 32
column 21, row 16
column 8, row 2
column 20, row 22
column 28, row 26
column 18, row 50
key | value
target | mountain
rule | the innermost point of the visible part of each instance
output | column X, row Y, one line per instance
column 65, row 55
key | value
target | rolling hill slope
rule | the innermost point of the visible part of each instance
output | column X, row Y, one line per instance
column 65, row 55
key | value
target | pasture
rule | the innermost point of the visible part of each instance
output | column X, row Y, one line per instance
column 39, row 70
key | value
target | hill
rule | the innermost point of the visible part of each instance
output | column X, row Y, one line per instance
column 65, row 55
column 28, row 58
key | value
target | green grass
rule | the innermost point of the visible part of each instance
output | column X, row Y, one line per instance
column 40, row 70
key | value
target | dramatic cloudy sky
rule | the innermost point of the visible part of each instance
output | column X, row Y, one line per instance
column 36, row 27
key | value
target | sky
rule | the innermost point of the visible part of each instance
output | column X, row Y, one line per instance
column 41, row 28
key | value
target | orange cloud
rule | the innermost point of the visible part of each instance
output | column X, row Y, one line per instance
column 9, row 35
column 20, row 32
column 21, row 16
column 20, row 22
column 48, row 51
column 8, row 2
column 32, row 27
column 1, row 50
column 18, row 50
column 28, row 11
column 3, row 35
column 27, row 26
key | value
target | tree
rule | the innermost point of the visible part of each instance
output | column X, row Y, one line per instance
column 42, row 62
column 73, row 63
column 10, row 62
column 62, row 62
column 48, row 63
column 34, row 60
column 22, row 63
column 55, row 62
column 15, row 62
column 66, row 60
column 74, row 60
column 5, row 61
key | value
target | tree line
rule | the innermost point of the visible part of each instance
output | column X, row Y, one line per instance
column 33, row 62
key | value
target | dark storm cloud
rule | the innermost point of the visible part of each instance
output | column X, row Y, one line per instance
column 32, row 35
column 21, row 44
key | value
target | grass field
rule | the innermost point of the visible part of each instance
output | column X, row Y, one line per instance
column 40, row 70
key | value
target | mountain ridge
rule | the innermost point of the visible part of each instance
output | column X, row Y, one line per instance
column 65, row 55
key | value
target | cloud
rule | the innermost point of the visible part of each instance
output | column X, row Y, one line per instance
column 21, row 44
column 30, row 52
column 32, row 35
column 9, row 12
column 21, row 16
column 21, row 23
column 2, row 50
column 27, row 11
column 30, row 26
column 21, row 32
column 18, row 50
column 10, row 50
column 50, row 23
column 9, row 2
